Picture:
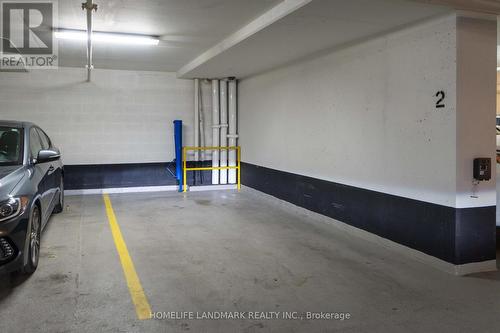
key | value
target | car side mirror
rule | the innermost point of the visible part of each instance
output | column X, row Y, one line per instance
column 48, row 155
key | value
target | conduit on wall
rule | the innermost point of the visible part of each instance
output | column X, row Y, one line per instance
column 233, row 128
column 224, row 127
column 223, row 130
column 201, row 119
column 215, row 130
column 196, row 118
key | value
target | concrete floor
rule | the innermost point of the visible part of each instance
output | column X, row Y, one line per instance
column 229, row 251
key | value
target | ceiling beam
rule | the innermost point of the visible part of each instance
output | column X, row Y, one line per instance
column 483, row 6
column 273, row 15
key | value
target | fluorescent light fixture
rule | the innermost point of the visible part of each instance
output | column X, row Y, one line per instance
column 107, row 37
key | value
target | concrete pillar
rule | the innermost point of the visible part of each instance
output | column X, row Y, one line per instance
column 475, row 225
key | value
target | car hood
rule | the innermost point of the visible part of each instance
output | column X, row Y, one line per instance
column 10, row 176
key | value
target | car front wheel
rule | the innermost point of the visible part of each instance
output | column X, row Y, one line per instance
column 33, row 252
column 60, row 205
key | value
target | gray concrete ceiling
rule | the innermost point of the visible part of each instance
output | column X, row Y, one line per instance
column 209, row 38
column 187, row 27
column 319, row 25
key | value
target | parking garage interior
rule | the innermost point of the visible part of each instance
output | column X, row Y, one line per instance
column 249, row 166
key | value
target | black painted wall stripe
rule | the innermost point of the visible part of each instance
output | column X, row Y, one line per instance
column 458, row 236
column 99, row 176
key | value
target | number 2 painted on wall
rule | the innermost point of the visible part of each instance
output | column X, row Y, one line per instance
column 440, row 103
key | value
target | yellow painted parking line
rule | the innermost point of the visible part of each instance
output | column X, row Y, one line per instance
column 142, row 307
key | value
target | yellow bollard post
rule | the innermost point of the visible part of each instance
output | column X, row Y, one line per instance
column 239, row 167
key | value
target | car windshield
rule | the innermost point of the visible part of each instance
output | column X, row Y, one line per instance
column 10, row 146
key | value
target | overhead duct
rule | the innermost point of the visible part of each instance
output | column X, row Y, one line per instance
column 90, row 6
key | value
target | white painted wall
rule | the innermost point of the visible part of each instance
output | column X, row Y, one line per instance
column 365, row 115
column 476, row 97
column 120, row 117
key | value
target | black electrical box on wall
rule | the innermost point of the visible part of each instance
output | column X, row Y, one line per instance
column 482, row 169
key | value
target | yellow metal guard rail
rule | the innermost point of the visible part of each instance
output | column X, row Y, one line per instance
column 185, row 169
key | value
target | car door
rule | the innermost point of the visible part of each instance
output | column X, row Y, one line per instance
column 54, row 172
column 40, row 172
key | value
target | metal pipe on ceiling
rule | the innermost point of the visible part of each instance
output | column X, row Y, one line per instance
column 89, row 6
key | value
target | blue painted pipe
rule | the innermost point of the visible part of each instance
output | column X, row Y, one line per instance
column 178, row 151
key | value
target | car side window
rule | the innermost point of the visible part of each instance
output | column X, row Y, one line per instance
column 35, row 144
column 44, row 138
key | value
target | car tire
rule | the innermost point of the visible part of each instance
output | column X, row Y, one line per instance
column 33, row 252
column 60, row 205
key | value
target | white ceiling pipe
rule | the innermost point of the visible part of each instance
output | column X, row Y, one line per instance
column 223, row 130
column 233, row 128
column 196, row 118
column 215, row 130
column 89, row 6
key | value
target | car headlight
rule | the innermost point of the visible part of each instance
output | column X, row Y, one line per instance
column 12, row 208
